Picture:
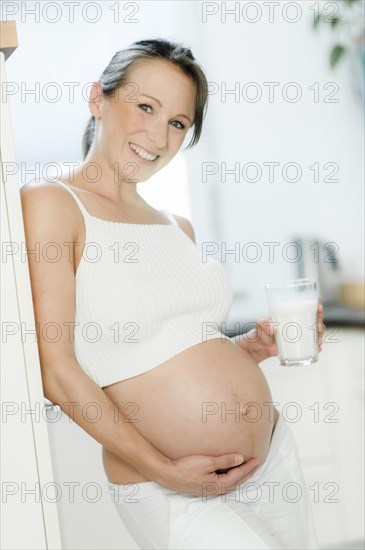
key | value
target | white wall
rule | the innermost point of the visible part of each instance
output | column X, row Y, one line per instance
column 87, row 515
column 305, row 132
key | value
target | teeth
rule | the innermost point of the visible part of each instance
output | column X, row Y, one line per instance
column 142, row 153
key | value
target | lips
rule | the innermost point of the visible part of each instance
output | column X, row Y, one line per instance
column 143, row 153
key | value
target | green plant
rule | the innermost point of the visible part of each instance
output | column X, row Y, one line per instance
column 347, row 21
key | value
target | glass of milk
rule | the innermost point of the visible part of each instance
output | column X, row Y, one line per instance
column 293, row 308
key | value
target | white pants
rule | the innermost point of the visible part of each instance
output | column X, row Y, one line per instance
column 270, row 510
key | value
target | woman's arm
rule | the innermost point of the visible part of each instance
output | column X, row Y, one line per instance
column 50, row 216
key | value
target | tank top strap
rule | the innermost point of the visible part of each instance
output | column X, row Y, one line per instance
column 85, row 213
column 170, row 217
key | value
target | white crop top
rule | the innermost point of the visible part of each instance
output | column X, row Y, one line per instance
column 143, row 295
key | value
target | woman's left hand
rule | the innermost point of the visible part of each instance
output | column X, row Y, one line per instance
column 260, row 341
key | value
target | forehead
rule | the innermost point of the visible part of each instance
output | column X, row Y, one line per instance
column 162, row 80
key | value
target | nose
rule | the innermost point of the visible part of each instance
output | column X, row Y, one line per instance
column 157, row 133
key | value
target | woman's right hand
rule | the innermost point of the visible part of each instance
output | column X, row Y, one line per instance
column 197, row 474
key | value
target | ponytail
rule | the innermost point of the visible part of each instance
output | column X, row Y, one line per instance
column 88, row 136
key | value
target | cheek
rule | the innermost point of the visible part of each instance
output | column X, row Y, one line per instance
column 126, row 120
column 178, row 140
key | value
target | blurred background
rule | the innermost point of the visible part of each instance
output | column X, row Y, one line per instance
column 274, row 190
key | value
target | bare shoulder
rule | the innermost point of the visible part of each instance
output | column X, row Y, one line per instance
column 47, row 203
column 46, row 193
column 186, row 226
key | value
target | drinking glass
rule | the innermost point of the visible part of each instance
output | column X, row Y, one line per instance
column 293, row 306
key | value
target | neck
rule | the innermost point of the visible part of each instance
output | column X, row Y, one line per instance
column 98, row 175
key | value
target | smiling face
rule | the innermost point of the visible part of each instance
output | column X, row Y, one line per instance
column 144, row 125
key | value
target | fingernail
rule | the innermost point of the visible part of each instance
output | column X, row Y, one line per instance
column 238, row 460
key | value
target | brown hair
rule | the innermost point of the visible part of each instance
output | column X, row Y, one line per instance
column 115, row 75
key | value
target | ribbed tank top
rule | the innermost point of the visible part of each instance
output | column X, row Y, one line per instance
column 144, row 294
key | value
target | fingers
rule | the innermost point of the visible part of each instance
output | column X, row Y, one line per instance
column 196, row 474
column 321, row 325
column 243, row 471
column 236, row 476
column 226, row 462
column 266, row 331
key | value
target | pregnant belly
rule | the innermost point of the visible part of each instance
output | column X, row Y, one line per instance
column 210, row 399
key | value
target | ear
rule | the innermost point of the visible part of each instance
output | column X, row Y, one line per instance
column 96, row 100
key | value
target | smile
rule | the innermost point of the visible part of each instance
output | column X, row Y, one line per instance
column 142, row 153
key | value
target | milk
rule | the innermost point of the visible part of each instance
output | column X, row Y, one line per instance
column 296, row 334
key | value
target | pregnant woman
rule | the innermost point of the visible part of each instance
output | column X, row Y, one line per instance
column 185, row 414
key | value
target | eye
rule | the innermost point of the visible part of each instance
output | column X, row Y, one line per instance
column 141, row 105
column 181, row 127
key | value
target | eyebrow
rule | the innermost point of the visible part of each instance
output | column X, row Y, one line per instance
column 160, row 104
